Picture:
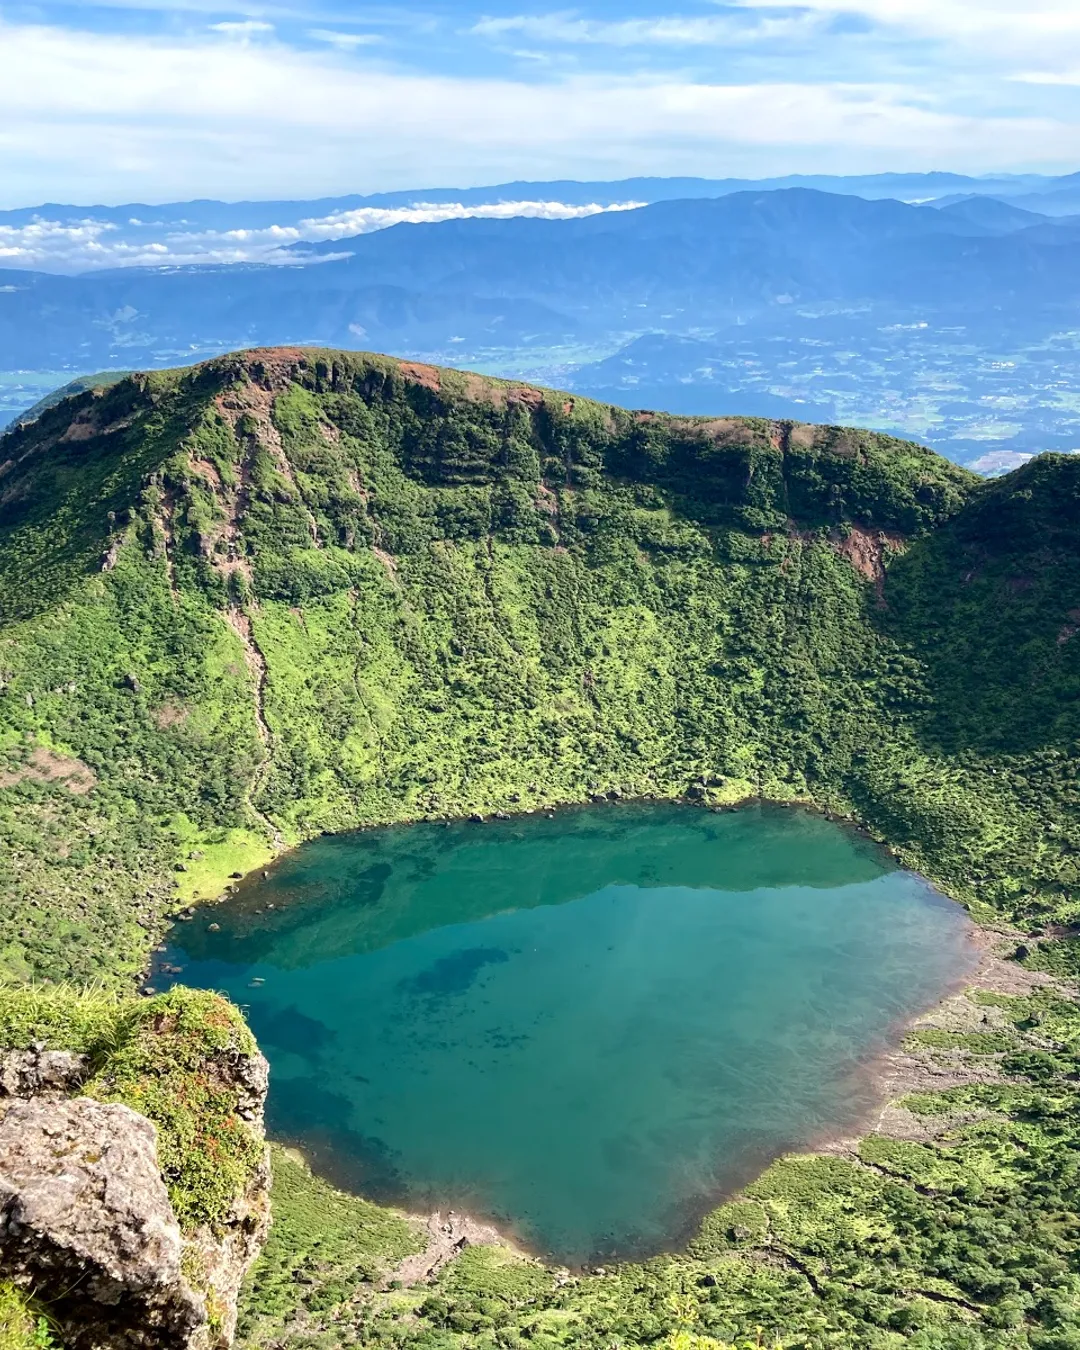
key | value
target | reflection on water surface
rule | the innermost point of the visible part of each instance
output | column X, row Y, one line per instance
column 588, row 1027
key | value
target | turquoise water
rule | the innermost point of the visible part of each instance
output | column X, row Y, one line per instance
column 588, row 1028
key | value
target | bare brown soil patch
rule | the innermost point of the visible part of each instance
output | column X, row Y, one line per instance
column 277, row 355
column 845, row 446
column 866, row 551
column 447, row 1236
column 734, row 431
column 171, row 714
column 209, row 471
column 802, row 437
column 524, row 393
column 481, row 390
column 225, row 567
column 86, row 426
column 239, row 623
column 49, row 766
column 81, row 429
column 721, row 428
column 417, row 373
column 389, row 562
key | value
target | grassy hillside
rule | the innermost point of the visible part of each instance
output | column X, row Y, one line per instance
column 296, row 591
column 287, row 592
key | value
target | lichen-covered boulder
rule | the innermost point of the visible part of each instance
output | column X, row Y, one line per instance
column 84, row 1214
column 39, row 1071
column 134, row 1175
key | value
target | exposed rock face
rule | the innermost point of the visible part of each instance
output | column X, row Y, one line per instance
column 38, row 1072
column 224, row 1257
column 83, row 1207
column 87, row 1223
column 250, row 1076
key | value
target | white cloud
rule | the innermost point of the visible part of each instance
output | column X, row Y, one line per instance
column 87, row 244
column 121, row 117
column 242, row 28
column 668, row 30
column 366, row 219
column 344, row 41
column 1003, row 28
column 1051, row 77
column 1042, row 33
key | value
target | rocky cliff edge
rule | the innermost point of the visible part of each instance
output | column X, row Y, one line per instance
column 134, row 1181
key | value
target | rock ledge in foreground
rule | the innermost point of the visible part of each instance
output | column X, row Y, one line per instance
column 83, row 1207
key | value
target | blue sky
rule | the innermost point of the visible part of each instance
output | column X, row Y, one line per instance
column 147, row 100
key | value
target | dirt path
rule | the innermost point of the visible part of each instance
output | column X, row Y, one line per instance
column 447, row 1236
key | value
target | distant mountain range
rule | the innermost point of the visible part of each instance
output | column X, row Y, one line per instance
column 71, row 238
column 218, row 215
column 950, row 316
column 675, row 265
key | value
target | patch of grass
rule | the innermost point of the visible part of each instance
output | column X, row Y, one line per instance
column 974, row 1042
column 324, row 1250
column 23, row 1326
column 211, row 858
column 1060, row 956
column 87, row 1021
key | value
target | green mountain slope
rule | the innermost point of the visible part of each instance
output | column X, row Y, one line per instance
column 80, row 385
column 292, row 591
column 288, row 592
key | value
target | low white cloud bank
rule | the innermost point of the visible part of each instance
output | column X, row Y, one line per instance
column 88, row 244
column 669, row 30
column 89, row 116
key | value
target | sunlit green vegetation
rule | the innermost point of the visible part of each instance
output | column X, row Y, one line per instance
column 294, row 592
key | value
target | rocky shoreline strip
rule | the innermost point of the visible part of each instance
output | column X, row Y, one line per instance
column 912, row 1068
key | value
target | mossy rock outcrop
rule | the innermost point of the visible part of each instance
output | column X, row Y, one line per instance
column 133, row 1173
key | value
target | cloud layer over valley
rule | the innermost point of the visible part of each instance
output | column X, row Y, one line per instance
column 76, row 241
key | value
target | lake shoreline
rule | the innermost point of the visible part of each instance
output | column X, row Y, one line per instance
column 892, row 1073
column 713, row 801
column 869, row 1076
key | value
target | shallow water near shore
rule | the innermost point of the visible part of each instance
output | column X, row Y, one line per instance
column 588, row 1028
